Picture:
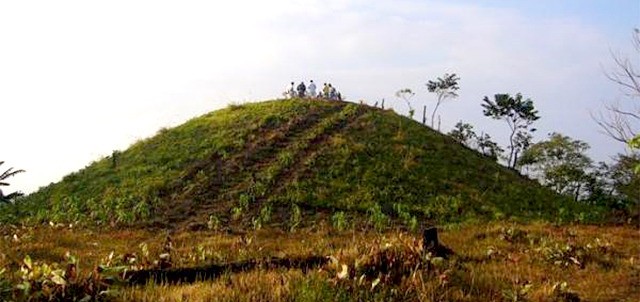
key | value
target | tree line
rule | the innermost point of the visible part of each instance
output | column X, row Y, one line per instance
column 559, row 161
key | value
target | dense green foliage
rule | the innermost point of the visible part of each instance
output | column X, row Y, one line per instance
column 278, row 162
column 560, row 163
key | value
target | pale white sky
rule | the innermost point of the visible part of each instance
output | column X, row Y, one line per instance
column 79, row 79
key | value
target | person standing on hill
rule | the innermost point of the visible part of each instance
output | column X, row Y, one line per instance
column 312, row 89
column 290, row 91
column 301, row 89
column 332, row 92
column 325, row 91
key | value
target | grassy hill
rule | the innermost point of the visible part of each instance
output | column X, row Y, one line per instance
column 307, row 200
column 288, row 162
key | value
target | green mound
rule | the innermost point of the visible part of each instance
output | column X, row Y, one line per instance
column 287, row 162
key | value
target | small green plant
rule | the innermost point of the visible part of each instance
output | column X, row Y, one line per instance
column 123, row 210
column 243, row 205
column 377, row 218
column 5, row 286
column 263, row 217
column 514, row 235
column 142, row 210
column 285, row 159
column 236, row 213
column 265, row 213
column 256, row 223
column 39, row 279
column 244, row 200
column 445, row 208
column 296, row 217
column 518, row 292
column 567, row 254
column 403, row 213
column 213, row 223
column 339, row 221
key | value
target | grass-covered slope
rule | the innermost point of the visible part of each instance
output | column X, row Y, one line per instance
column 285, row 162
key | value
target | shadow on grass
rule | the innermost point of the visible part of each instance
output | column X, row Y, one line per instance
column 209, row 272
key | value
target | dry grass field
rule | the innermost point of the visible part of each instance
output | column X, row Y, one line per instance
column 492, row 262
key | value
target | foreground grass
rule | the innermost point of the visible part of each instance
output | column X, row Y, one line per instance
column 493, row 262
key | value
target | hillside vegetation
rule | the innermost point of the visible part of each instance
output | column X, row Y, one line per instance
column 287, row 162
column 307, row 200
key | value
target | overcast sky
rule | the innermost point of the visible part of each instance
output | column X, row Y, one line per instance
column 79, row 79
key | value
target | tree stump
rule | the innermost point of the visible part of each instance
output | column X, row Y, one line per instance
column 430, row 244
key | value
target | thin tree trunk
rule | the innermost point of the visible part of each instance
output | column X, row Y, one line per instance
column 424, row 115
column 433, row 115
column 512, row 149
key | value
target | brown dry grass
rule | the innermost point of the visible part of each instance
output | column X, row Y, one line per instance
column 497, row 261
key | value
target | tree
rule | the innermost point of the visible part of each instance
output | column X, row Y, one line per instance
column 463, row 133
column 444, row 88
column 622, row 121
column 560, row 163
column 406, row 94
column 617, row 185
column 8, row 173
column 521, row 142
column 519, row 115
column 625, row 178
column 488, row 147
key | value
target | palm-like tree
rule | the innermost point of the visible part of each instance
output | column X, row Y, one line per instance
column 6, row 174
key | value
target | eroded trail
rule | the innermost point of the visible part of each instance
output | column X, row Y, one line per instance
column 234, row 173
column 265, row 166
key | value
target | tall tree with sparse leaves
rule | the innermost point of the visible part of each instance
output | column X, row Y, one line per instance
column 6, row 174
column 519, row 114
column 406, row 94
column 445, row 88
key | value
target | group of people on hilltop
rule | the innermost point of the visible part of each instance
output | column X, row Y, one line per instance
column 328, row 91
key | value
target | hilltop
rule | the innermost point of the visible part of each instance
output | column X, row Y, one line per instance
column 287, row 162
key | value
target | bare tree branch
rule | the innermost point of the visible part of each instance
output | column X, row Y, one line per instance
column 622, row 122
